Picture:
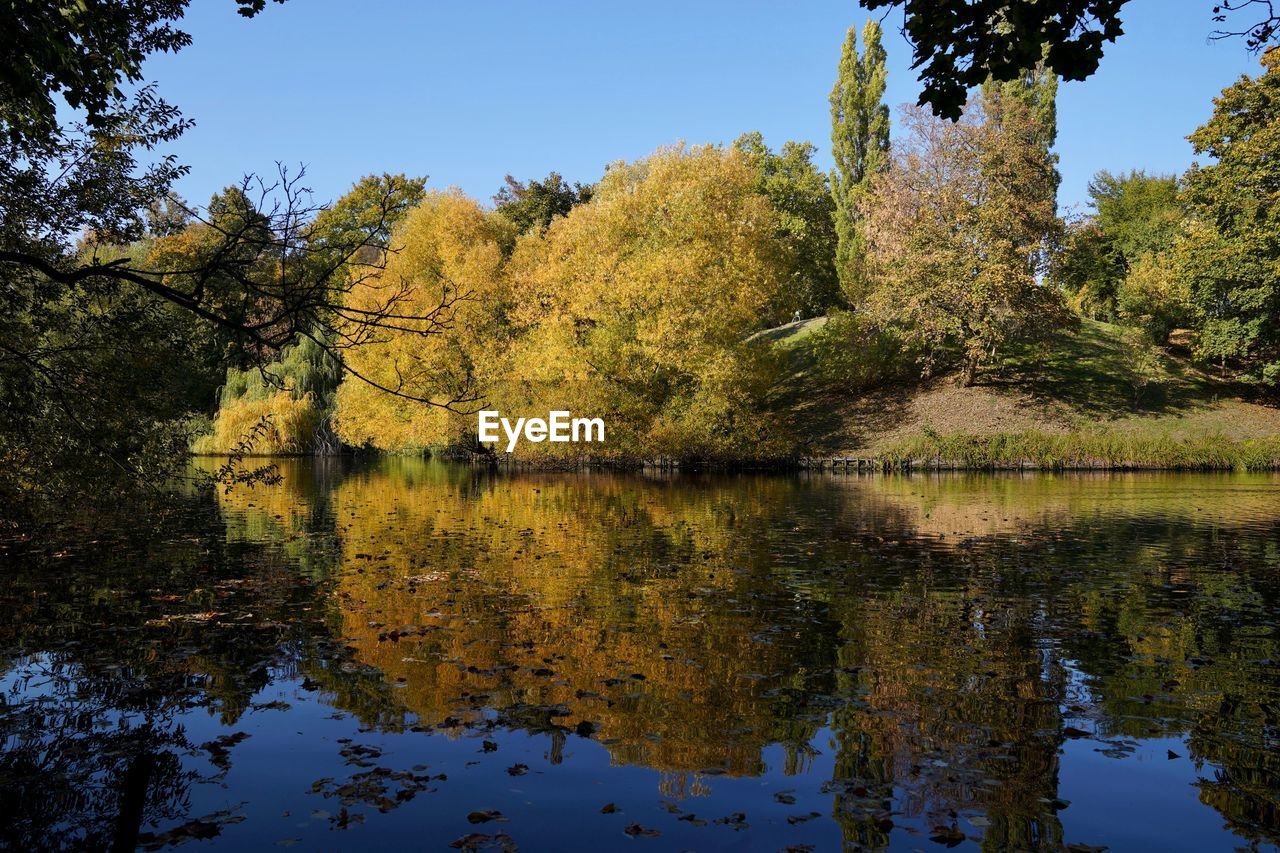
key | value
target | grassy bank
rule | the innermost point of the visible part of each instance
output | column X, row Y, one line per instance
column 1097, row 448
column 1085, row 399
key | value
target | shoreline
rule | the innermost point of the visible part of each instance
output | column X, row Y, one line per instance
column 1022, row 451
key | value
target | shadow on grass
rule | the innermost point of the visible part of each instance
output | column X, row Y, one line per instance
column 1090, row 370
column 814, row 409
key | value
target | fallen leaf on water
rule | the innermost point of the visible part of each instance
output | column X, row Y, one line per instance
column 635, row 830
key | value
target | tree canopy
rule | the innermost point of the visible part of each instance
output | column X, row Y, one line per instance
column 960, row 44
column 859, row 144
column 1229, row 255
column 958, row 230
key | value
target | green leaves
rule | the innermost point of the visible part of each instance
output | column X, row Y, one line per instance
column 859, row 145
column 1231, row 254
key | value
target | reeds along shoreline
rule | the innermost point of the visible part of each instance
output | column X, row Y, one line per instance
column 1012, row 451
column 1098, row 450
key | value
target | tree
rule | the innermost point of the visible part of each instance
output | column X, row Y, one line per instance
column 801, row 194
column 450, row 254
column 1036, row 89
column 533, row 204
column 640, row 308
column 1230, row 256
column 257, row 271
column 957, row 230
column 1134, row 216
column 1153, row 295
column 960, row 44
column 859, row 144
column 84, row 52
column 304, row 379
column 1138, row 212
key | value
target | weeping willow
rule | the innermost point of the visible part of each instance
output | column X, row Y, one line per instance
column 296, row 396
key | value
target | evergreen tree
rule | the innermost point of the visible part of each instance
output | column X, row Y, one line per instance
column 859, row 144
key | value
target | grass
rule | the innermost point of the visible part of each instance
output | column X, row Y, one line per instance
column 1084, row 399
column 1094, row 448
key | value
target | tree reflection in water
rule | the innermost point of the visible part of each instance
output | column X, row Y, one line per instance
column 896, row 659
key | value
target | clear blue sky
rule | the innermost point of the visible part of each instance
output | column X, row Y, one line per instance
column 466, row 92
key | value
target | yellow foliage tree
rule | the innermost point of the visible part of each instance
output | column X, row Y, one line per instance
column 448, row 252
column 638, row 307
column 290, row 426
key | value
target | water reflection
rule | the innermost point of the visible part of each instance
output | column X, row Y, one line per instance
column 1009, row 662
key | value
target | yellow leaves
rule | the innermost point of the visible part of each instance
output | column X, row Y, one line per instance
column 292, row 425
column 635, row 307
column 445, row 266
column 643, row 294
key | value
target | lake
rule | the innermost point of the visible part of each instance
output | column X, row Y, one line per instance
column 401, row 654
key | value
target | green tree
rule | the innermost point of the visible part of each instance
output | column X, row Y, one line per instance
column 1133, row 216
column 82, row 52
column 959, row 44
column 91, row 302
column 533, row 204
column 801, row 194
column 859, row 144
column 1231, row 257
column 1138, row 212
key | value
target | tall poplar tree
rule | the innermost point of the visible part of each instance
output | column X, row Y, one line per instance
column 1037, row 90
column 859, row 144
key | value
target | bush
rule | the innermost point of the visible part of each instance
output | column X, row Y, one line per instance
column 1153, row 298
column 291, row 426
column 853, row 355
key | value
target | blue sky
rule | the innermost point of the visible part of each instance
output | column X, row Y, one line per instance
column 466, row 92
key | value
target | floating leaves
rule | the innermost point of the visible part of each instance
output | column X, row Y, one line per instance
column 219, row 748
column 635, row 830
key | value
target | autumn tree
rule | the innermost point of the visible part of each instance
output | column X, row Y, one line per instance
column 1229, row 255
column 413, row 383
column 640, row 306
column 1036, row 89
column 302, row 381
column 859, row 145
column 957, row 231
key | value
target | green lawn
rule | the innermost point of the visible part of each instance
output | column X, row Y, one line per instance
column 1086, row 398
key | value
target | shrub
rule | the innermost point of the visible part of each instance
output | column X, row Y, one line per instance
column 291, row 425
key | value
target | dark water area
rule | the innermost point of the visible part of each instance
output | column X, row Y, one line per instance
column 408, row 655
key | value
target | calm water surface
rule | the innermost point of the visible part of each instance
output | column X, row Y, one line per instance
column 405, row 655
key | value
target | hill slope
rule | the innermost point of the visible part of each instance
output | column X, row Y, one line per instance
column 1086, row 380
